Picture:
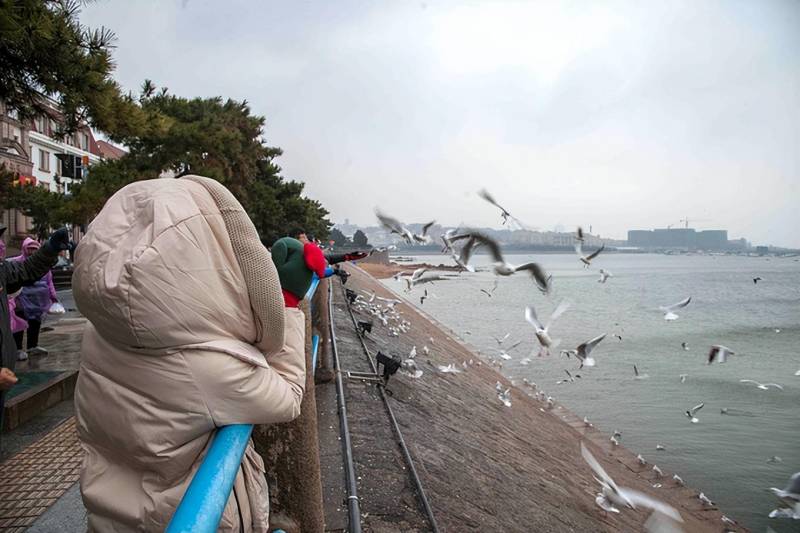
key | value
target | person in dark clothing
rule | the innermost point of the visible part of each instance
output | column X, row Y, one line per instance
column 14, row 275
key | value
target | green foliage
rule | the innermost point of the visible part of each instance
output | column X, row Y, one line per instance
column 360, row 238
column 339, row 238
column 44, row 50
column 43, row 206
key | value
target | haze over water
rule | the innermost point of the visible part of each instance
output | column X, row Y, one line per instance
column 723, row 455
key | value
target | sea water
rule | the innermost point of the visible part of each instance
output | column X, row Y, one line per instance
column 724, row 455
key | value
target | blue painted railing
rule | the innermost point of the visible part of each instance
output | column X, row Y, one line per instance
column 201, row 507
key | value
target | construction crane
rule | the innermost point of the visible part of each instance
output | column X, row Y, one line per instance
column 686, row 221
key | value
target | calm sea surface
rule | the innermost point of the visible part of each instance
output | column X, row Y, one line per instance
column 723, row 455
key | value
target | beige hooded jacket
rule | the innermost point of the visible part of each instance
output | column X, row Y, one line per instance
column 187, row 333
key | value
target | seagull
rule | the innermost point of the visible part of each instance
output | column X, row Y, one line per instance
column 762, row 386
column 685, row 346
column 489, row 293
column 727, row 520
column 587, row 259
column 669, row 310
column 774, row 460
column 448, row 369
column 719, row 354
column 703, row 498
column 757, row 279
column 683, row 377
column 657, row 471
column 422, row 298
column 604, row 275
column 424, row 238
column 613, row 497
column 542, row 334
column 410, row 282
column 483, row 193
column 579, row 234
column 505, row 397
column 502, row 340
column 614, row 441
column 586, row 422
column 409, row 368
column 425, row 350
column 584, row 350
column 637, row 375
column 550, row 402
column 660, row 447
column 690, row 414
column 790, row 496
column 503, row 355
column 413, row 353
column 568, row 379
column 394, row 226
column 617, row 433
column 641, row 459
column 678, row 480
column 503, row 268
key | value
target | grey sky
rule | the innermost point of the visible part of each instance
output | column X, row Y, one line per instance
column 618, row 115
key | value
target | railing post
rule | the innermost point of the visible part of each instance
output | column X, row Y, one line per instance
column 291, row 453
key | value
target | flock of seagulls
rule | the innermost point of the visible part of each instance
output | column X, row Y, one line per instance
column 610, row 498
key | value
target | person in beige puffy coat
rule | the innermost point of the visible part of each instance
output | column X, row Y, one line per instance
column 187, row 332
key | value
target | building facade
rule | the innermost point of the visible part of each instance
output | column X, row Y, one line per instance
column 36, row 153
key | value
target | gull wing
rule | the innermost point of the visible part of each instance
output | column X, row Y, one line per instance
column 640, row 499
column 749, row 381
column 773, row 385
column 427, row 226
column 601, row 474
column 696, row 408
column 513, row 346
column 483, row 193
column 530, row 316
column 563, row 306
column 586, row 348
column 597, row 252
column 390, row 223
column 673, row 307
column 635, row 370
column 417, row 273
column 539, row 275
column 579, row 234
column 429, row 279
column 494, row 247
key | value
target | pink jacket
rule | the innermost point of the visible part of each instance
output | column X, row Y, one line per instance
column 35, row 300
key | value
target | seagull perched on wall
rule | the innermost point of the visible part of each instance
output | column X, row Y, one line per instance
column 584, row 350
column 542, row 331
column 669, row 310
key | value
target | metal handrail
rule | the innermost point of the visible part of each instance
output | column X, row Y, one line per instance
column 201, row 507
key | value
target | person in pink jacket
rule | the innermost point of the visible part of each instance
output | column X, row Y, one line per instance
column 32, row 305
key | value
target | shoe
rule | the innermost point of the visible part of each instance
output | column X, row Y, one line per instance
column 22, row 355
column 36, row 350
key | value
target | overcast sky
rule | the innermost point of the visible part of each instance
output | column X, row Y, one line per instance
column 617, row 115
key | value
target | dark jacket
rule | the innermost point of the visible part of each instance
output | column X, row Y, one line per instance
column 13, row 275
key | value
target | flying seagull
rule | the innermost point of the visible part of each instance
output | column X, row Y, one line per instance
column 396, row 227
column 669, row 310
column 568, row 379
column 762, row 386
column 685, row 346
column 789, row 496
column 587, row 259
column 757, row 279
column 690, row 414
column 503, row 268
column 604, row 275
column 584, row 350
column 637, row 375
column 483, row 193
column 490, row 292
column 612, row 497
column 719, row 354
column 542, row 331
